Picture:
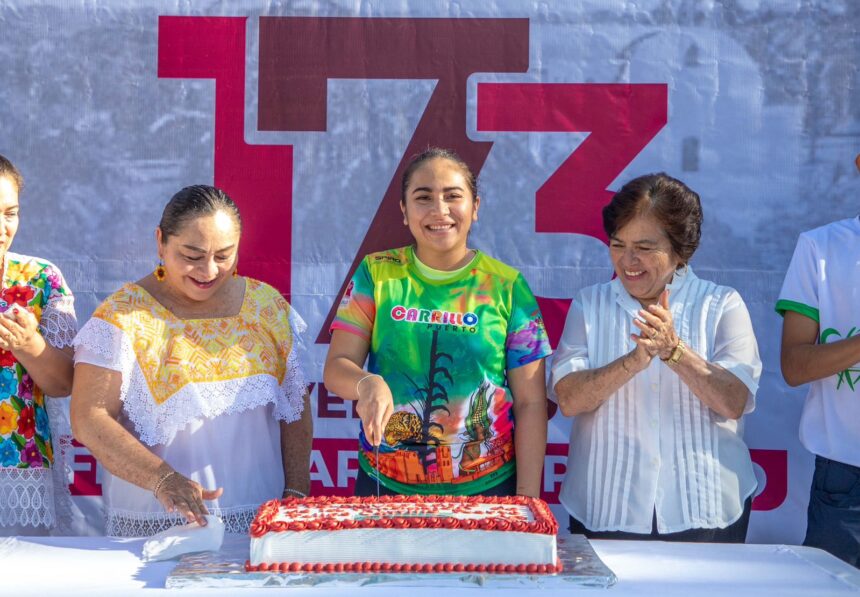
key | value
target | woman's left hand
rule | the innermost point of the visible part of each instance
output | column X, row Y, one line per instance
column 657, row 334
column 18, row 327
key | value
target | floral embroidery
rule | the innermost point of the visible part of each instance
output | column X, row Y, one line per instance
column 173, row 353
column 25, row 436
column 27, row 422
column 9, row 453
column 7, row 359
column 8, row 418
column 32, row 455
column 17, row 295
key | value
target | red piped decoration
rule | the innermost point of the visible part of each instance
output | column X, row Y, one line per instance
column 337, row 513
column 326, row 509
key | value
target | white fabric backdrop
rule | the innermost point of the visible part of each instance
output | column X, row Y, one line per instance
column 108, row 110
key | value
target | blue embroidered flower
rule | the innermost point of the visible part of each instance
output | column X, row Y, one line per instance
column 42, row 427
column 9, row 454
column 8, row 382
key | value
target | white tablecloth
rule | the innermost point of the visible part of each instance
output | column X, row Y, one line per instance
column 104, row 566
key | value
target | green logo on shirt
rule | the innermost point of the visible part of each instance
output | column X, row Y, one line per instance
column 850, row 376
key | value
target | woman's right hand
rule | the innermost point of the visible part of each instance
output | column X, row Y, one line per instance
column 178, row 493
column 638, row 359
column 375, row 407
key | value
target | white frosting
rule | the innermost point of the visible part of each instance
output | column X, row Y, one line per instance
column 409, row 545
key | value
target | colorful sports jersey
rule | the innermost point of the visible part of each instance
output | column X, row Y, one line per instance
column 443, row 347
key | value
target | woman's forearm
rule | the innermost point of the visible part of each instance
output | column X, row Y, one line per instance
column 719, row 389
column 51, row 368
column 341, row 376
column 296, row 440
column 528, row 389
column 94, row 408
column 116, row 449
column 530, row 446
column 583, row 391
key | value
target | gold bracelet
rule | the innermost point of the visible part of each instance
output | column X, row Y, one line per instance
column 294, row 492
column 358, row 383
column 161, row 481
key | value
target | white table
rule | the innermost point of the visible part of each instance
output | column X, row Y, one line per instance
column 103, row 566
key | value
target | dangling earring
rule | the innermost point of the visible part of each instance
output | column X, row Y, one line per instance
column 236, row 272
column 159, row 271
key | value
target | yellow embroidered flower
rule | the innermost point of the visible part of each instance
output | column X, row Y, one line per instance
column 8, row 419
column 23, row 272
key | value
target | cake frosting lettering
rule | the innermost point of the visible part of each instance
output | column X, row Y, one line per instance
column 405, row 534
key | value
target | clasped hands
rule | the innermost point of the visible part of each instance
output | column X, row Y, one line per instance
column 657, row 336
column 18, row 329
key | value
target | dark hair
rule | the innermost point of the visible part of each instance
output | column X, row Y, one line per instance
column 7, row 168
column 674, row 204
column 193, row 202
column 432, row 153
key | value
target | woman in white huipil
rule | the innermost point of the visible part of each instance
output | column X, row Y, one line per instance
column 658, row 366
column 188, row 386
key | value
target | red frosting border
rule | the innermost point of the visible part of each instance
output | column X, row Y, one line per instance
column 544, row 522
column 406, row 568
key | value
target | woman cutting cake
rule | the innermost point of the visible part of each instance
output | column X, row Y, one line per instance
column 187, row 383
column 453, row 399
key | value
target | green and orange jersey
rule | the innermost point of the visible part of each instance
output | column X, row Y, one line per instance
column 444, row 347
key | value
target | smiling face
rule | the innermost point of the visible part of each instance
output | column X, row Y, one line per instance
column 201, row 257
column 439, row 209
column 8, row 213
column 643, row 258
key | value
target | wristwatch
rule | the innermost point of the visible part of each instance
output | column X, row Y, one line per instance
column 676, row 355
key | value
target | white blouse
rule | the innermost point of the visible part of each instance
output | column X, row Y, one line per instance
column 206, row 396
column 653, row 447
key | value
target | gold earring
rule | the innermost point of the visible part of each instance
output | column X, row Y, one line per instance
column 159, row 272
column 236, row 272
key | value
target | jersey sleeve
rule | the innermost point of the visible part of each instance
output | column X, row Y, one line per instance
column 800, row 288
column 527, row 339
column 357, row 310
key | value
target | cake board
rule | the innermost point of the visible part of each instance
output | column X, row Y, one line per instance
column 226, row 569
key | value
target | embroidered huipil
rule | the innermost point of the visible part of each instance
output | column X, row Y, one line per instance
column 205, row 395
column 26, row 451
column 444, row 348
column 653, row 447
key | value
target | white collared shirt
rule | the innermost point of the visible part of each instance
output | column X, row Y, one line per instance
column 653, row 447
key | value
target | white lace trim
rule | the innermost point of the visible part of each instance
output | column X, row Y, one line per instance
column 124, row 523
column 59, row 323
column 62, row 470
column 26, row 497
column 289, row 408
column 103, row 344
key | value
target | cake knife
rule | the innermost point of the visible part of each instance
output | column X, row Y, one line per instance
column 376, row 462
